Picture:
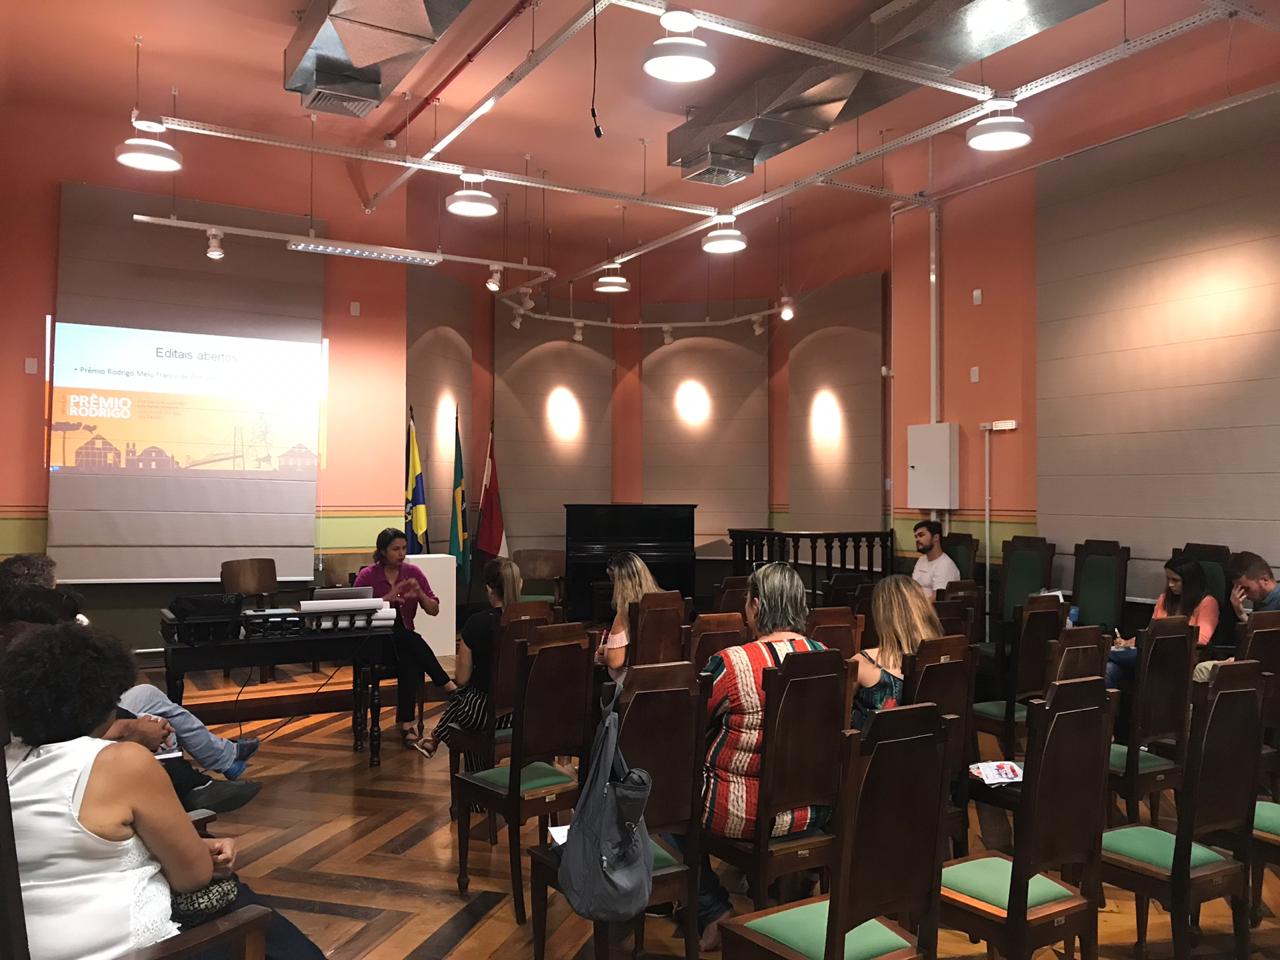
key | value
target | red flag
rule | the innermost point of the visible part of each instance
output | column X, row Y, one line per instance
column 491, row 538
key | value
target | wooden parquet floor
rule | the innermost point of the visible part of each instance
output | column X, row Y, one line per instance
column 364, row 861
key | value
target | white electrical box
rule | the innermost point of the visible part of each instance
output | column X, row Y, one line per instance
column 933, row 466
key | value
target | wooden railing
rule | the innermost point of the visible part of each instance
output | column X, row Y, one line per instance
column 859, row 551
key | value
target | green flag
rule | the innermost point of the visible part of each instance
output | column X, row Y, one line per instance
column 459, row 542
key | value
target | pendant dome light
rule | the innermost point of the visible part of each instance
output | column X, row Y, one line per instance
column 724, row 238
column 146, row 153
column 471, row 201
column 612, row 280
column 679, row 59
column 1000, row 131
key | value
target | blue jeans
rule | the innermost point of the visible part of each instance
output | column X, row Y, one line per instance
column 211, row 752
column 1122, row 664
column 713, row 898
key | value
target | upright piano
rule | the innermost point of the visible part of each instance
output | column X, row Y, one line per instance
column 660, row 534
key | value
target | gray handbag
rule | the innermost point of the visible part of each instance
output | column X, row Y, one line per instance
column 606, row 866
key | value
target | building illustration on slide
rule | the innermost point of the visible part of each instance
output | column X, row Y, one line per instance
column 99, row 453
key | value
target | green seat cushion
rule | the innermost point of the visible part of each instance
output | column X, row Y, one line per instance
column 1097, row 598
column 533, row 777
column 987, row 879
column 502, row 734
column 1148, row 762
column 804, row 930
column 661, row 856
column 1266, row 817
column 994, row 710
column 1155, row 847
column 529, row 597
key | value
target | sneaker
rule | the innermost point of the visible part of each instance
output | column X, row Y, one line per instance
column 235, row 771
column 246, row 748
column 709, row 942
column 221, row 796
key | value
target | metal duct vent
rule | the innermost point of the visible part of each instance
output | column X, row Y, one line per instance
column 717, row 169
column 348, row 55
column 803, row 98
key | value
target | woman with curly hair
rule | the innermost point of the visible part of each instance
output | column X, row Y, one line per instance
column 102, row 842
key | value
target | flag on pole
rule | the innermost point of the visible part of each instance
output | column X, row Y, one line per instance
column 459, row 544
column 491, row 537
column 415, row 493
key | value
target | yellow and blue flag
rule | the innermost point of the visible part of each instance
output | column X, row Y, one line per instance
column 415, row 493
column 459, row 542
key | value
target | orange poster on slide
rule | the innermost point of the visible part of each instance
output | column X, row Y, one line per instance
column 146, row 400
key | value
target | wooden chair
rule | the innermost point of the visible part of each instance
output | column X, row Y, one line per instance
column 1098, row 583
column 1263, row 645
column 1157, row 711
column 892, row 789
column 963, row 549
column 655, row 625
column 862, row 608
column 712, row 632
column 942, row 672
column 550, row 719
column 243, row 931
column 840, row 589
column 1215, row 561
column 730, row 595
column 804, row 712
column 958, row 589
column 528, row 609
column 1215, row 805
column 1026, row 568
column 1008, row 901
column 835, row 627
column 542, row 570
column 961, row 612
column 1024, row 670
column 662, row 715
column 255, row 580
column 1076, row 653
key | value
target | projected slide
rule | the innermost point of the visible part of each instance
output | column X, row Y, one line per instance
column 130, row 400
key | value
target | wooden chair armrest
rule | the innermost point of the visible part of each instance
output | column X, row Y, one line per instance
column 242, row 927
column 200, row 819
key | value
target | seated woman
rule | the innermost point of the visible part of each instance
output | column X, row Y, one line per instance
column 468, row 706
column 631, row 581
column 1185, row 595
column 405, row 587
column 102, row 842
column 903, row 617
column 776, row 613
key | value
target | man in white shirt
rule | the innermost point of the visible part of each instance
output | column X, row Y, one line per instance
column 934, row 570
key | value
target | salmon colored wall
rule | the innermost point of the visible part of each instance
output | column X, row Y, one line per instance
column 482, row 336
column 779, row 418
column 627, row 405
column 79, row 147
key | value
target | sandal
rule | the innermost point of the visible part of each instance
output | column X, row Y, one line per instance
column 425, row 747
column 409, row 737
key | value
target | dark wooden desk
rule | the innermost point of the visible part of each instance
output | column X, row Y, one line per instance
column 365, row 647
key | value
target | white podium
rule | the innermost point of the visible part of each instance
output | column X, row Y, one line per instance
column 440, row 631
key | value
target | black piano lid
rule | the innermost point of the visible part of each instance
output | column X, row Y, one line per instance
column 624, row 524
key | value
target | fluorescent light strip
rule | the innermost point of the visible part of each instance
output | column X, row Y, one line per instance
column 460, row 129
column 339, row 249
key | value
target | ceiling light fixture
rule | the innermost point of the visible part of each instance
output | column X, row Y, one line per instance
column 676, row 20
column 145, row 153
column 526, row 301
column 515, row 320
column 215, row 251
column 1001, row 130
column 471, row 201
column 494, row 283
column 577, row 333
column 679, row 59
column 362, row 251
column 787, row 308
column 612, row 280
column 757, row 326
column 667, row 338
column 724, row 238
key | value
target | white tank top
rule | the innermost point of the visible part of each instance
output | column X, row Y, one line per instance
column 85, row 898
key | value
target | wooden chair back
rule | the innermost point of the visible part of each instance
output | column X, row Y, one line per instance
column 1220, row 785
column 730, row 595
column 963, row 549
column 551, row 716
column 1030, row 656
column 847, row 638
column 892, row 798
column 1162, row 684
column 503, row 670
column 1077, row 653
column 960, row 589
column 1026, row 568
column 1060, row 819
column 1099, row 580
column 713, row 632
column 840, row 589
column 663, row 720
column 804, row 712
column 942, row 672
column 1215, row 561
column 828, row 616
column 1264, row 647
column 253, row 577
column 862, row 608
column 13, row 922
column 960, row 612
column 655, row 626
column 528, row 609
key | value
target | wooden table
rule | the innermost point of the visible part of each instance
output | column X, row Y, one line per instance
column 366, row 647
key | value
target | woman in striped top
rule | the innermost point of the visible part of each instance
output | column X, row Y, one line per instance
column 776, row 612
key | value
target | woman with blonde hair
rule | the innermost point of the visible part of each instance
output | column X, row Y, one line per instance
column 631, row 581
column 468, row 706
column 903, row 617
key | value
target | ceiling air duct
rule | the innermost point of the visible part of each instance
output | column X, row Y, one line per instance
column 802, row 98
column 348, row 55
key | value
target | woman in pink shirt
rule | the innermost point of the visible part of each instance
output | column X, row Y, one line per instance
column 1186, row 594
column 405, row 587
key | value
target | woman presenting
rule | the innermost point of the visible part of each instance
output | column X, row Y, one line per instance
column 405, row 587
